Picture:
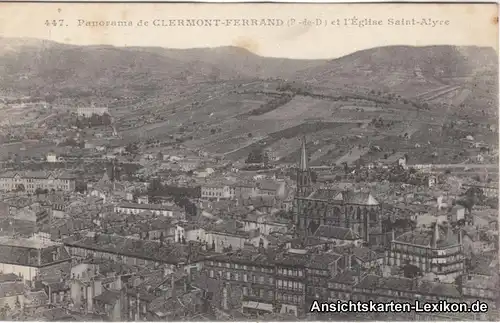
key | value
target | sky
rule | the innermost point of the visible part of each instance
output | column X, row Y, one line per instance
column 467, row 24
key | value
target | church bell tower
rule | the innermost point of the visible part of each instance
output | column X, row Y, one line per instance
column 304, row 182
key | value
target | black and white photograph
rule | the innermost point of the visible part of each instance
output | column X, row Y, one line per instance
column 249, row 162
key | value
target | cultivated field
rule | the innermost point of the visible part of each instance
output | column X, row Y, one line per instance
column 212, row 118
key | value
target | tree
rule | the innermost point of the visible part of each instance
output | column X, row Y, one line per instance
column 38, row 191
column 105, row 119
column 411, row 271
column 132, row 148
column 155, row 187
column 346, row 168
column 162, row 238
column 257, row 156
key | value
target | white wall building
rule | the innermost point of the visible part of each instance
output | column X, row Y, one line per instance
column 133, row 208
column 51, row 158
column 87, row 112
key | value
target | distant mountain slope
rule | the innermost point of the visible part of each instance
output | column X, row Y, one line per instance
column 241, row 60
column 34, row 66
column 398, row 68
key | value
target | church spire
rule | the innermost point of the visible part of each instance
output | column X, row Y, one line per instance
column 303, row 173
column 303, row 166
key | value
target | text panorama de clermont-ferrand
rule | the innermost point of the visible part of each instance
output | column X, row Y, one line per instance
column 260, row 22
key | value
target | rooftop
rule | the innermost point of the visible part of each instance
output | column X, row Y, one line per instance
column 26, row 243
column 38, row 175
column 374, row 282
column 142, row 249
column 332, row 232
column 425, row 238
column 159, row 207
column 345, row 196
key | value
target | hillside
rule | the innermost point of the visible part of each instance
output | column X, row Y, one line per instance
column 228, row 101
column 457, row 75
column 407, row 70
column 240, row 60
column 36, row 67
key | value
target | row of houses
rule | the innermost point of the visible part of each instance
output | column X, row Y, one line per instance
column 216, row 190
column 31, row 181
column 289, row 282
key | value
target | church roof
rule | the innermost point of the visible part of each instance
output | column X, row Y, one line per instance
column 359, row 198
column 333, row 232
column 346, row 196
column 324, row 194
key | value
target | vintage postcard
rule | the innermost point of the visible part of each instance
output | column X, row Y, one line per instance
column 243, row 162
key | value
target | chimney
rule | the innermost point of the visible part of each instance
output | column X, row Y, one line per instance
column 460, row 235
column 347, row 261
column 225, row 303
column 435, row 236
column 39, row 255
column 97, row 286
column 90, row 297
column 119, row 283
column 138, row 308
column 173, row 284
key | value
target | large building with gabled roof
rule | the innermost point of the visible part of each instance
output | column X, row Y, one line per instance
column 359, row 211
column 438, row 251
column 31, row 181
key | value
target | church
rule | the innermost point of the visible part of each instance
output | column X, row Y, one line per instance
column 313, row 207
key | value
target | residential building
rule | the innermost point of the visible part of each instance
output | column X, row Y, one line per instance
column 28, row 257
column 51, row 158
column 31, row 181
column 217, row 190
column 87, row 112
column 457, row 213
column 190, row 164
column 319, row 270
column 482, row 287
column 253, row 272
column 137, row 252
column 155, row 209
column 490, row 191
column 224, row 237
column 338, row 235
column 291, row 282
column 385, row 289
column 245, row 190
column 143, row 199
column 271, row 188
column 265, row 223
column 189, row 232
column 438, row 251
